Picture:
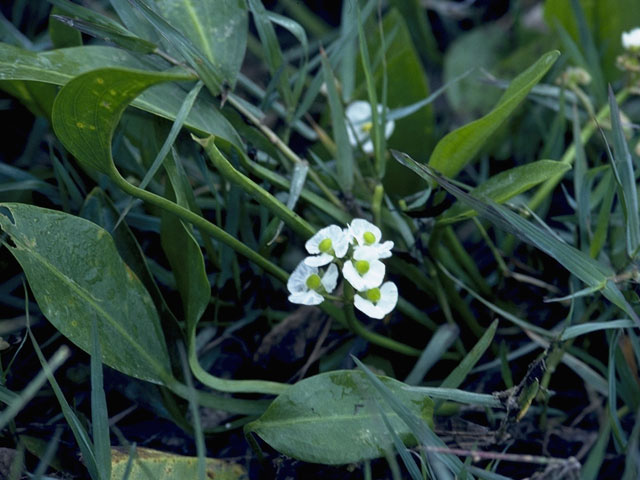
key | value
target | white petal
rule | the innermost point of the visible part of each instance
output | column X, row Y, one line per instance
column 389, row 127
column 384, row 249
column 388, row 297
column 331, row 232
column 310, row 297
column 352, row 276
column 387, row 302
column 366, row 307
column 341, row 244
column 367, row 147
column 372, row 279
column 631, row 39
column 297, row 281
column 330, row 278
column 359, row 226
column 318, row 260
column 358, row 112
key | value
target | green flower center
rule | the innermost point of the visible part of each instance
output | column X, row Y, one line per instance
column 362, row 266
column 369, row 238
column 367, row 126
column 373, row 295
column 313, row 281
column 325, row 245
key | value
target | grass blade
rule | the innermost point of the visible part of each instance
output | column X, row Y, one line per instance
column 99, row 415
column 440, row 342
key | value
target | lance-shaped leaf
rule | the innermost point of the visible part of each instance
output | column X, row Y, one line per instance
column 88, row 109
column 76, row 275
column 60, row 66
column 459, row 147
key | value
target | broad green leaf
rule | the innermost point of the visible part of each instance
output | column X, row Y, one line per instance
column 183, row 251
column 76, row 275
column 190, row 40
column 100, row 26
column 99, row 209
column 622, row 164
column 151, row 464
column 60, row 66
column 459, row 147
column 219, row 30
column 422, row 431
column 332, row 418
column 88, row 109
column 506, row 185
column 591, row 272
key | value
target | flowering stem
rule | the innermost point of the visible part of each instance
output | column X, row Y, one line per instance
column 202, row 224
column 292, row 219
column 356, row 327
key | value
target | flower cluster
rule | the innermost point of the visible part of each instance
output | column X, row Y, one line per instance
column 358, row 251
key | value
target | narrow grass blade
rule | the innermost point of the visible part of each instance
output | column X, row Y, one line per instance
column 344, row 154
column 80, row 434
column 178, row 123
column 460, row 396
column 99, row 413
column 420, row 429
column 402, row 450
column 616, row 427
column 623, row 169
column 440, row 342
column 457, row 376
column 20, row 400
column 577, row 330
column 295, row 189
column 578, row 263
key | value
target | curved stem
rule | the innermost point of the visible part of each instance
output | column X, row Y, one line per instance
column 356, row 327
column 292, row 219
column 203, row 224
column 230, row 386
column 283, row 147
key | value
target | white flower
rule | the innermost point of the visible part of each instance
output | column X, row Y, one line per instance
column 364, row 271
column 359, row 118
column 367, row 234
column 377, row 302
column 631, row 40
column 304, row 284
column 327, row 243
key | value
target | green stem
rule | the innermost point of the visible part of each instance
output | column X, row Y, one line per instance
column 356, row 327
column 284, row 148
column 230, row 386
column 202, row 224
column 292, row 219
column 570, row 154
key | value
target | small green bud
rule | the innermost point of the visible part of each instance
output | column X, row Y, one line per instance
column 369, row 238
column 362, row 266
column 314, row 282
column 325, row 245
column 373, row 295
